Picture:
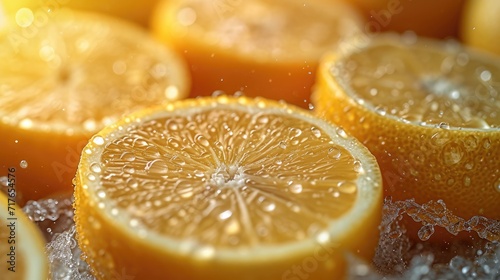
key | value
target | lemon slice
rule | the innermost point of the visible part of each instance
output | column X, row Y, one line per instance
column 22, row 250
column 134, row 11
column 428, row 110
column 65, row 80
column 225, row 188
column 262, row 48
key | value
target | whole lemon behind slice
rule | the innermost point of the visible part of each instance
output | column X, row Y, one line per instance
column 131, row 10
column 261, row 48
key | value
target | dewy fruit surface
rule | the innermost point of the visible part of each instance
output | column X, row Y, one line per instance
column 262, row 48
column 220, row 188
column 429, row 111
column 22, row 250
column 67, row 80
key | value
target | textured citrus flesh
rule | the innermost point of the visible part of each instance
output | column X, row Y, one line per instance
column 437, row 19
column 428, row 111
column 218, row 188
column 74, row 75
column 23, row 239
column 131, row 10
column 479, row 26
column 262, row 48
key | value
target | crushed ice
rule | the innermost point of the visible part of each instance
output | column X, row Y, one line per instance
column 396, row 257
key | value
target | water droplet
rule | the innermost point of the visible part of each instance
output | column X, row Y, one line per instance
column 23, row 164
column 323, row 237
column 485, row 76
column 202, row 140
column 453, row 154
column 316, row 132
column 91, row 177
column 334, row 153
column 279, row 162
column 101, row 194
column 497, row 186
column 347, row 187
column 470, row 142
column 134, row 222
column 186, row 16
column 268, row 206
column 425, row 232
column 24, row 17
column 225, row 215
column 156, row 166
column 296, row 188
column 373, row 92
column 132, row 183
column 26, row 123
column 467, row 181
column 381, row 111
column 172, row 125
column 282, row 145
column 205, row 253
column 487, row 143
column 263, row 119
column 95, row 167
column 98, row 140
column 233, row 227
column 128, row 169
column 341, row 132
column 443, row 125
column 172, row 92
column 469, row 166
column 358, row 167
column 295, row 132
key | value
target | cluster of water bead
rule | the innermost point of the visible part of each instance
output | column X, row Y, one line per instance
column 485, row 265
column 224, row 163
column 394, row 254
column 435, row 213
column 398, row 258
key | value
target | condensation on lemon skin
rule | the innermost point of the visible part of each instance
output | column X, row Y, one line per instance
column 424, row 86
column 425, row 123
column 240, row 169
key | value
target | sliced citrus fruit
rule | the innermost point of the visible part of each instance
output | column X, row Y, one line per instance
column 136, row 11
column 22, row 250
column 64, row 80
column 429, row 112
column 480, row 25
column 224, row 188
column 438, row 19
column 262, row 48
